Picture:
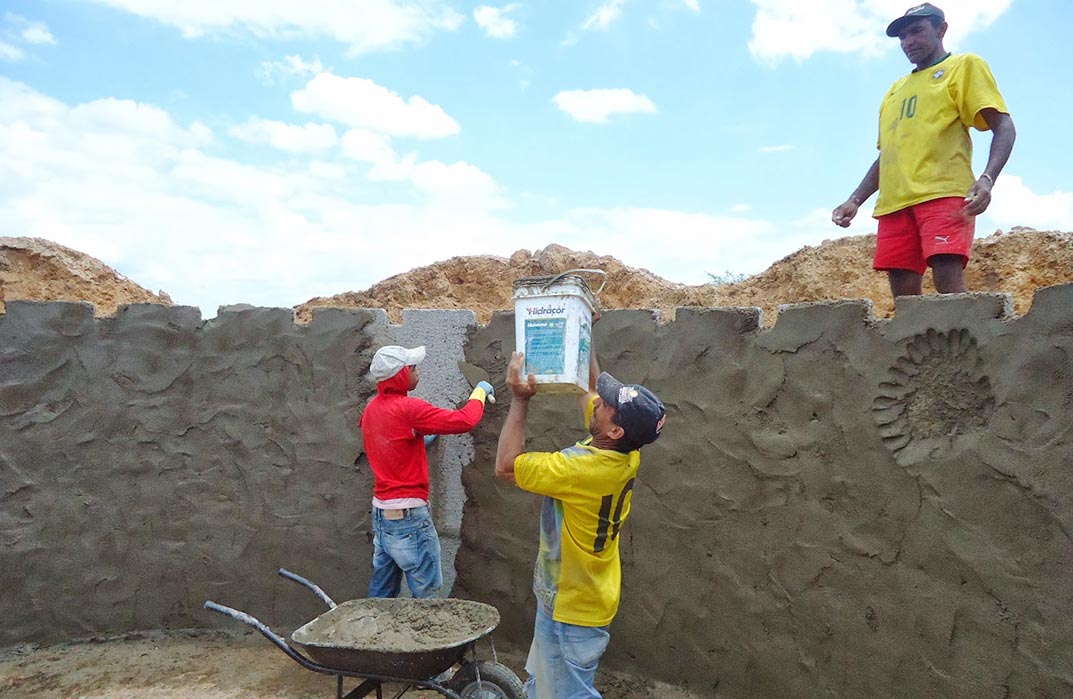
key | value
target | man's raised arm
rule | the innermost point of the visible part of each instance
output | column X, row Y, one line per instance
column 512, row 437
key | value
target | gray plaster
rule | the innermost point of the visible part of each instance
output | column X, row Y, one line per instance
column 839, row 506
column 444, row 335
column 152, row 460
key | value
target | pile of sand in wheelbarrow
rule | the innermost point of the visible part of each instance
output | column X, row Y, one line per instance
column 401, row 625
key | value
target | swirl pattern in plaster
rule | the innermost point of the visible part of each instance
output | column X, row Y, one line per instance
column 936, row 395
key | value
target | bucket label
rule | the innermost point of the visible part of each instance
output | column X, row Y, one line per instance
column 545, row 346
column 584, row 346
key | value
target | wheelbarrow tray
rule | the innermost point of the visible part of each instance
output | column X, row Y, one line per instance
column 413, row 639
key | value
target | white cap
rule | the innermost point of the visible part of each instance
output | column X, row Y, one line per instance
column 390, row 360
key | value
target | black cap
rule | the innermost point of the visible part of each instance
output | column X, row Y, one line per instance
column 914, row 13
column 640, row 413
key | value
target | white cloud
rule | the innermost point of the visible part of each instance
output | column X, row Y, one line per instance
column 595, row 106
column 794, row 29
column 10, row 53
column 327, row 170
column 223, row 180
column 291, row 65
column 368, row 25
column 123, row 181
column 1014, row 204
column 368, row 146
column 676, row 245
column 290, row 137
column 28, row 30
column 460, row 183
column 494, row 21
column 456, row 183
column 604, row 16
column 776, row 149
column 360, row 102
column 693, row 5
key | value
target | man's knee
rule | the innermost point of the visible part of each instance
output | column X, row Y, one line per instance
column 948, row 272
column 904, row 282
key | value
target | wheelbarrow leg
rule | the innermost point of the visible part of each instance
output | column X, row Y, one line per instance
column 362, row 690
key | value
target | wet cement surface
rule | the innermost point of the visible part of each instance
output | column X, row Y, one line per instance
column 400, row 625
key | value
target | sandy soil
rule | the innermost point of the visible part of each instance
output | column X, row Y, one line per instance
column 207, row 665
column 1017, row 262
column 35, row 269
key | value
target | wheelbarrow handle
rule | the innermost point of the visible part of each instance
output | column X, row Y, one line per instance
column 315, row 588
column 270, row 635
column 247, row 620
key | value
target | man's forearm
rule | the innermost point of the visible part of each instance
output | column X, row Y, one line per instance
column 868, row 186
column 511, row 438
column 1001, row 144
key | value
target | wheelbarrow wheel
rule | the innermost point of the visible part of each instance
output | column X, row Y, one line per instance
column 496, row 682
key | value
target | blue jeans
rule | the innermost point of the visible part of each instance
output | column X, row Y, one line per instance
column 563, row 659
column 410, row 547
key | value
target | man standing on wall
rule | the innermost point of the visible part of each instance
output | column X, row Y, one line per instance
column 587, row 489
column 928, row 197
column 394, row 426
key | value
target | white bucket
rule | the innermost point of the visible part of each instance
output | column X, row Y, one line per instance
column 553, row 326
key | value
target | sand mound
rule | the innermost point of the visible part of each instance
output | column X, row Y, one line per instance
column 34, row 269
column 482, row 283
column 1018, row 262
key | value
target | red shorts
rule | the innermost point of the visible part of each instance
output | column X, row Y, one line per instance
column 907, row 238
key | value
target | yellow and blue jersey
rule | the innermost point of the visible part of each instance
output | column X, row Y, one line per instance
column 925, row 151
column 587, row 492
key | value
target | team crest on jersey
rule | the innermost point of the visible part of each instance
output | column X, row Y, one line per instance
column 938, row 74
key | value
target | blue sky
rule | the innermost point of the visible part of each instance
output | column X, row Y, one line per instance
column 269, row 151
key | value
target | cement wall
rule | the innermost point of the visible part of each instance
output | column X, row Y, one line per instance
column 151, row 460
column 838, row 507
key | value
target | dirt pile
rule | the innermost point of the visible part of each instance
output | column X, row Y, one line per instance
column 1018, row 263
column 482, row 283
column 34, row 269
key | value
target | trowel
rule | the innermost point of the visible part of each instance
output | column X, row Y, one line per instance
column 474, row 375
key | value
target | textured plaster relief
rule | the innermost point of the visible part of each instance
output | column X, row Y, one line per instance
column 935, row 396
column 818, row 570
column 777, row 547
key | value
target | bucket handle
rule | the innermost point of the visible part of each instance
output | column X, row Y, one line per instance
column 586, row 271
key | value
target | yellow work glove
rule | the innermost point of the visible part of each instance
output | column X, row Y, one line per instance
column 483, row 391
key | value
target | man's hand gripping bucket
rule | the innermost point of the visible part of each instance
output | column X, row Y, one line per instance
column 553, row 326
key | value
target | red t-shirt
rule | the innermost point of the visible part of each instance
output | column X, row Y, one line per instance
column 393, row 426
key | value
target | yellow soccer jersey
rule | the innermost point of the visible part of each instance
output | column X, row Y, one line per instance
column 925, row 151
column 578, row 575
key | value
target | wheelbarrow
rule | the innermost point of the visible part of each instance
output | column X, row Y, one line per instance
column 412, row 642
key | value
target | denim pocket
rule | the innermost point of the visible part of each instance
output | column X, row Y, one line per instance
column 583, row 645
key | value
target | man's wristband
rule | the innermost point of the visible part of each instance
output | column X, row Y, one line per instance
column 989, row 178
